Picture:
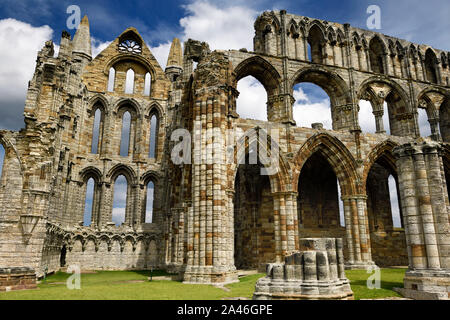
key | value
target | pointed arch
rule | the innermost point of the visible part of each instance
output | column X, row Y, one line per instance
column 339, row 157
column 111, row 79
column 381, row 152
column 336, row 89
column 262, row 70
column 154, row 128
column 90, row 172
column 251, row 140
column 431, row 66
column 122, row 169
column 377, row 55
column 147, row 84
column 129, row 81
column 316, row 40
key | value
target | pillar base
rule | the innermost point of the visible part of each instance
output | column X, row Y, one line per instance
column 210, row 275
column 17, row 278
column 426, row 285
column 314, row 273
column 359, row 265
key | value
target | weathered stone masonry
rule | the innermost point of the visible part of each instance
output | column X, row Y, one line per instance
column 210, row 217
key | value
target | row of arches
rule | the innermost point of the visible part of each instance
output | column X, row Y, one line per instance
column 109, row 252
column 128, row 120
column 129, row 86
column 385, row 97
column 321, row 44
column 323, row 167
column 123, row 192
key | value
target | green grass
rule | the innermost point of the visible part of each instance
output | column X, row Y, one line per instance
column 116, row 285
column 390, row 278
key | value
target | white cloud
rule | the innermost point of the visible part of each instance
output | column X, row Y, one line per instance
column 98, row 46
column 424, row 125
column 307, row 112
column 223, row 28
column 161, row 53
column 118, row 215
column 20, row 44
column 366, row 117
column 395, row 209
column 252, row 100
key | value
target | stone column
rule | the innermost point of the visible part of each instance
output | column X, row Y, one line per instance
column 379, row 121
column 434, row 125
column 357, row 230
column 425, row 214
column 209, row 260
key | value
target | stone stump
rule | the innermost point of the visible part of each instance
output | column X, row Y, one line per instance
column 19, row 278
column 315, row 272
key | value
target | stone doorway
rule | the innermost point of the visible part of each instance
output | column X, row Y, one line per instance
column 254, row 233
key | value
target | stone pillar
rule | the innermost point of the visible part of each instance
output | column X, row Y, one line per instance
column 358, row 238
column 379, row 121
column 425, row 214
column 434, row 125
column 209, row 260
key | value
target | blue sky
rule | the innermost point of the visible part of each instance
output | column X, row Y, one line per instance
column 25, row 25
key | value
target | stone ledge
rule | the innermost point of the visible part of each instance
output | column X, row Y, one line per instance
column 17, row 278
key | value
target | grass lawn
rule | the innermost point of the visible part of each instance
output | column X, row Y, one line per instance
column 125, row 285
column 390, row 278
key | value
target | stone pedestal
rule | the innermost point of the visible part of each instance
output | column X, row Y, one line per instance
column 19, row 278
column 426, row 285
column 316, row 272
column 209, row 275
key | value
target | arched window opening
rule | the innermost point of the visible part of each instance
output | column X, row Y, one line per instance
column 2, row 157
column 424, row 124
column 384, row 213
column 129, row 82
column 308, row 51
column 154, row 124
column 148, row 83
column 119, row 200
column 96, row 131
column 341, row 206
column 312, row 105
column 252, row 100
column 111, row 79
column 254, row 233
column 318, row 203
column 316, row 40
column 386, row 121
column 366, row 118
column 444, row 120
column 89, row 203
column 376, row 54
column 431, row 66
column 373, row 121
column 395, row 207
column 125, row 136
column 149, row 202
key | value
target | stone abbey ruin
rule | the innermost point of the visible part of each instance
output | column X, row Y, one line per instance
column 211, row 216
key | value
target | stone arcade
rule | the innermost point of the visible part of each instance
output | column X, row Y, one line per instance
column 211, row 217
